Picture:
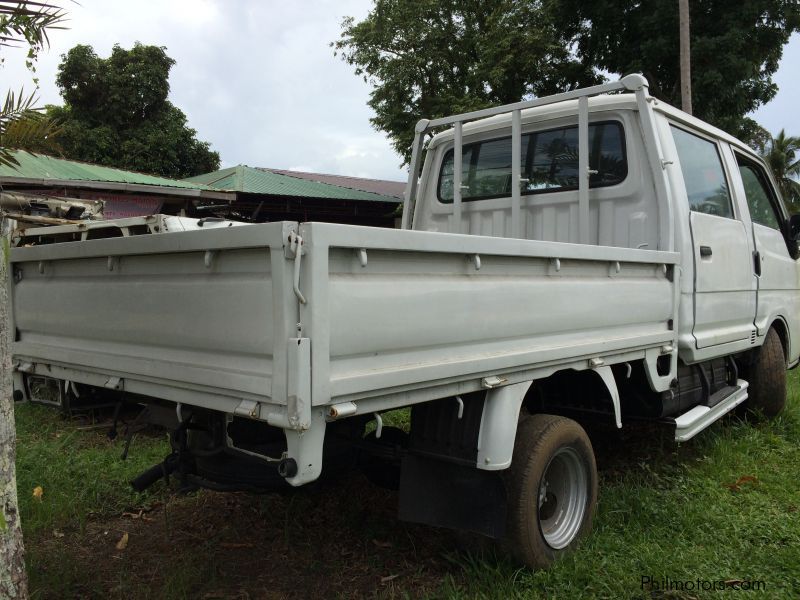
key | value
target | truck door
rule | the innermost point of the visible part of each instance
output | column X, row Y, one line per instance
column 724, row 281
column 776, row 268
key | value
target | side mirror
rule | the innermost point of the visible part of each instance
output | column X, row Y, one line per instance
column 794, row 228
column 792, row 235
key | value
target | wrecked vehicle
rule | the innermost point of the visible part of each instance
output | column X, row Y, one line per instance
column 595, row 256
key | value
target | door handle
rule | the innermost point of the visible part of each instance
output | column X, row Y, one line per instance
column 705, row 251
column 757, row 262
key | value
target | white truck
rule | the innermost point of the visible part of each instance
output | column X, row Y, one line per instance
column 594, row 256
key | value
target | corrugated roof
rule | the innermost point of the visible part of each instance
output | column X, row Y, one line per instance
column 250, row 180
column 377, row 186
column 45, row 169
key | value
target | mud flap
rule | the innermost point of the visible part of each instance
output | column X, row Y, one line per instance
column 445, row 494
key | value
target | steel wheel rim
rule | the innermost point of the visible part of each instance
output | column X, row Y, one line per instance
column 563, row 492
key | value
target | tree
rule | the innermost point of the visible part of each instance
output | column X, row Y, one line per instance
column 116, row 113
column 28, row 23
column 23, row 127
column 13, row 579
column 20, row 23
column 735, row 49
column 429, row 58
column 435, row 57
column 782, row 154
column 21, row 123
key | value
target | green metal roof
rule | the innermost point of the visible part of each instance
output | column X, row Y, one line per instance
column 45, row 169
column 242, row 178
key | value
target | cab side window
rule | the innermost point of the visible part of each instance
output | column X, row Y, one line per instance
column 701, row 165
column 760, row 199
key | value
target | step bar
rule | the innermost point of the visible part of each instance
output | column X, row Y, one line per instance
column 698, row 418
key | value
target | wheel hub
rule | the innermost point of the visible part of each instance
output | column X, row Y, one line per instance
column 563, row 493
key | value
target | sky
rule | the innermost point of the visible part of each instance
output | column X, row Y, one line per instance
column 783, row 111
column 259, row 81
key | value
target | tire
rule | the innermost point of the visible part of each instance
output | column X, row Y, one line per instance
column 551, row 488
column 767, row 378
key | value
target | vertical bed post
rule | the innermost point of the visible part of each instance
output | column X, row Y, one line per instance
column 457, row 148
column 516, row 177
column 583, row 169
column 410, row 193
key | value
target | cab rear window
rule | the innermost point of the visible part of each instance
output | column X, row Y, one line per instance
column 549, row 163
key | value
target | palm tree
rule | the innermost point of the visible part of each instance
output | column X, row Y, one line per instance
column 782, row 154
column 24, row 127
column 21, row 23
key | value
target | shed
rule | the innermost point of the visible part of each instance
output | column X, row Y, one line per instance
column 123, row 193
column 270, row 195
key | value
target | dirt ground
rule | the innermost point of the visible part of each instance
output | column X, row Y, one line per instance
column 328, row 540
column 343, row 541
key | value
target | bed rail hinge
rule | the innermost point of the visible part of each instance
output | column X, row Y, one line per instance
column 299, row 383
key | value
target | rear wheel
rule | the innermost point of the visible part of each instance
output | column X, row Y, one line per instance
column 552, row 489
column 767, row 378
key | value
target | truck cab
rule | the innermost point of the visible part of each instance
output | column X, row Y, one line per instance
column 687, row 187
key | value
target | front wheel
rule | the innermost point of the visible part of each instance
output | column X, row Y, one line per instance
column 552, row 489
column 767, row 378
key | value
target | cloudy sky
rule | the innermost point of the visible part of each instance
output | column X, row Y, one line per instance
column 258, row 80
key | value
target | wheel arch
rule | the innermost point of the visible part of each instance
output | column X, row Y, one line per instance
column 503, row 406
column 782, row 329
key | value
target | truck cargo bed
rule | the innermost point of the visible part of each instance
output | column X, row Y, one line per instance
column 230, row 318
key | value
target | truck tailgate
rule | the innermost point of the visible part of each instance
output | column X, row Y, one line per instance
column 191, row 310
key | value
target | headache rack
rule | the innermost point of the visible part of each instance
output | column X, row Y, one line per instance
column 630, row 83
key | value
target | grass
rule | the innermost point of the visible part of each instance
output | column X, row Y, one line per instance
column 722, row 507
column 79, row 469
column 82, row 478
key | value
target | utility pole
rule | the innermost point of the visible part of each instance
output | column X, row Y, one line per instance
column 686, row 68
